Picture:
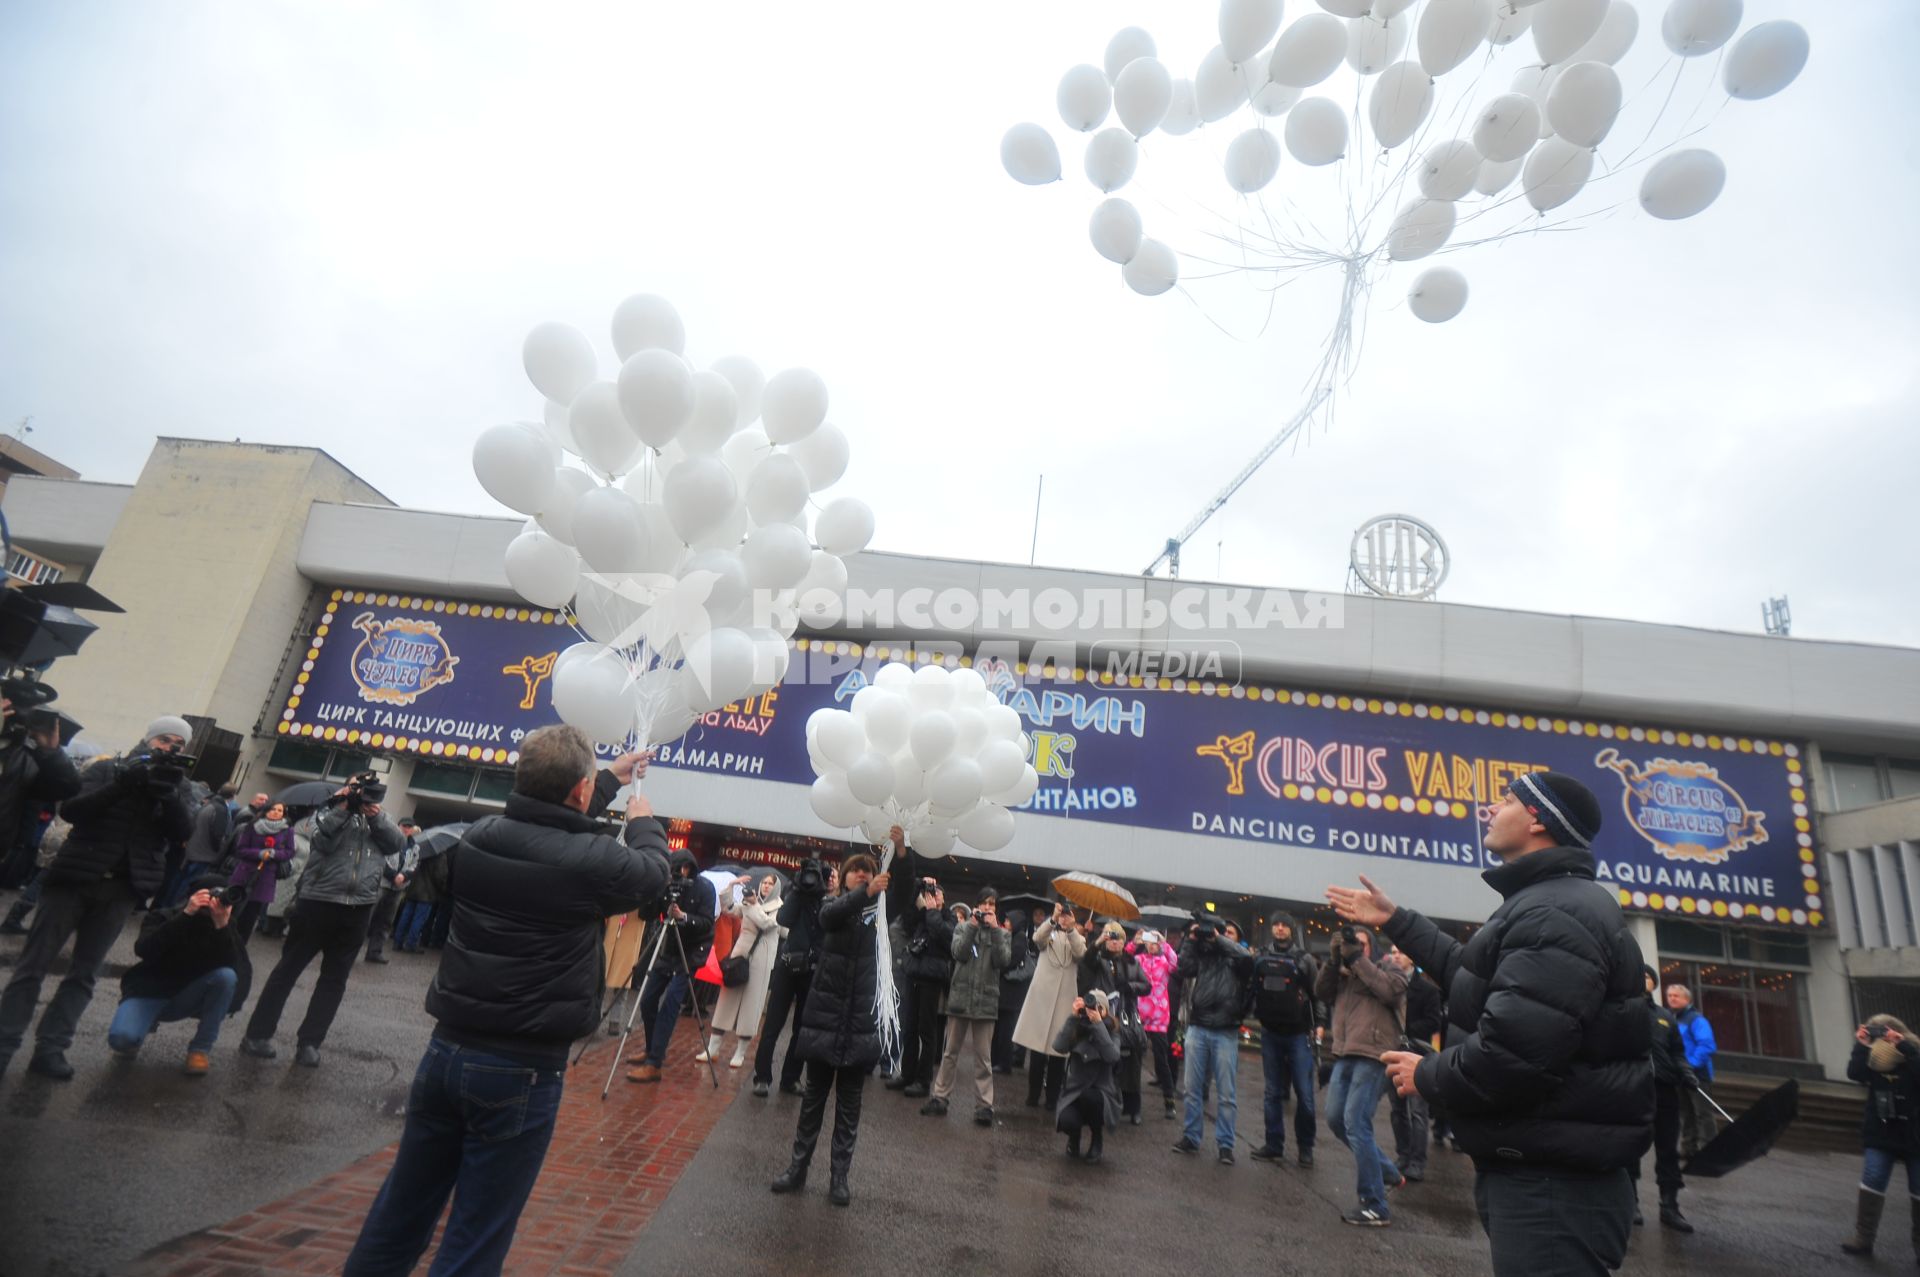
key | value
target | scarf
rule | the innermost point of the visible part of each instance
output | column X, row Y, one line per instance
column 269, row 827
column 1883, row 1057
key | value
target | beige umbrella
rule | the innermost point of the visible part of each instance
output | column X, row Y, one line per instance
column 1101, row 895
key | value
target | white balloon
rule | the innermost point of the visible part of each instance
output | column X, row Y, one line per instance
column 1000, row 763
column 1766, row 60
column 1614, row 38
column 744, row 452
column 1084, row 97
column 1694, row 27
column 932, row 840
column 932, row 735
column 601, row 431
column 844, row 527
column 698, row 495
column 1507, row 128
column 842, row 737
column 1183, row 110
column 1447, row 170
column 665, row 546
column 1560, row 27
column 1309, row 51
column 1317, row 131
column 558, row 359
column 932, row 688
column 834, row 803
column 968, row 685
column 1437, row 295
column 870, row 778
column 1419, row 229
column 1401, row 98
column 1153, row 270
column 1509, row 24
column 656, row 395
column 554, row 417
column 609, row 531
column 1142, row 94
column 953, row 786
column 605, row 610
column 714, row 581
column 909, row 781
column 1450, row 30
column 716, row 413
column 1021, row 790
column 541, row 569
column 590, row 692
column 1374, row 45
column 556, row 515
column 721, row 662
column 777, row 491
column 515, row 462
column 1127, row 44
column 1115, row 230
column 887, row 715
column 1003, row 723
column 1556, row 172
column 793, row 405
column 1347, row 8
column 1497, row 175
column 1218, row 87
column 1537, row 83
column 1112, row 156
column 1028, row 154
column 1682, row 184
column 820, row 589
column 1246, row 26
column 776, row 556
column 822, row 456
column 748, row 382
column 1389, row 8
column 1274, row 99
column 646, row 322
column 987, row 828
column 1584, row 102
column 1252, row 160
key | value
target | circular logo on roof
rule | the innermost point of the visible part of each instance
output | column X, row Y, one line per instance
column 1398, row 557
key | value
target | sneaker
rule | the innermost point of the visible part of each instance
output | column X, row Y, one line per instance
column 935, row 1107
column 739, row 1058
column 307, row 1057
column 258, row 1048
column 918, row 1091
column 1306, row 1157
column 983, row 1117
column 1267, row 1153
column 645, row 1073
column 1226, row 1156
column 1186, row 1146
column 1366, row 1217
column 198, row 1064
column 760, row 1088
column 896, row 1083
column 128, row 1053
column 789, row 1088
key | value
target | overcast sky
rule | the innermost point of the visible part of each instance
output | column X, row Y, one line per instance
column 332, row 224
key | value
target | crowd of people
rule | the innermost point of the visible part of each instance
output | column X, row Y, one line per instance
column 1542, row 1047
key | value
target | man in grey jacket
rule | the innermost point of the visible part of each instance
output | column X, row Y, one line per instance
column 332, row 906
column 981, row 949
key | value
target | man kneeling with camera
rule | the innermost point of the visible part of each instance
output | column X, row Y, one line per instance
column 191, row 962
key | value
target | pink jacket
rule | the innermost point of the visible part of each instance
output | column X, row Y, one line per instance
column 1159, row 967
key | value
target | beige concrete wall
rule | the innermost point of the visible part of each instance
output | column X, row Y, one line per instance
column 202, row 559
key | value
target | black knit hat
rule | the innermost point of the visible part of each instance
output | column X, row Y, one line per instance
column 1566, row 807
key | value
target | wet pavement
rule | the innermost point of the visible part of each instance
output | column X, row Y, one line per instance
column 268, row 1168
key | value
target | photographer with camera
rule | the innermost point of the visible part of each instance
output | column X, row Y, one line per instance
column 334, row 899
column 128, row 810
column 1885, row 1060
column 34, row 773
column 928, row 929
column 1159, row 964
column 688, row 931
column 1089, row 1097
column 520, row 980
column 1117, row 973
column 1369, row 1001
column 1058, row 947
column 741, row 1004
column 193, row 966
column 1288, row 1011
column 980, row 949
column 793, row 974
column 1551, row 1092
column 1216, row 971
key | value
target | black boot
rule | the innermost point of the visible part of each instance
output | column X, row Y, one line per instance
column 813, row 1110
column 1670, row 1215
column 16, row 923
column 1866, row 1223
column 846, row 1129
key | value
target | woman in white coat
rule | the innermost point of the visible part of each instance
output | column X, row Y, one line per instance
column 740, row 1007
column 1058, row 946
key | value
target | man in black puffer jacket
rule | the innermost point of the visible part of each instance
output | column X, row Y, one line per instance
column 1551, row 1092
column 127, row 812
column 520, row 979
column 1218, row 972
column 691, row 908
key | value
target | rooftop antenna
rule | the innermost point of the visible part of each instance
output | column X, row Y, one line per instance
column 1033, row 551
column 25, row 427
column 1776, row 616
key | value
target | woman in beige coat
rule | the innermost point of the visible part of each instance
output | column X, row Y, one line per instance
column 740, row 1007
column 1058, row 946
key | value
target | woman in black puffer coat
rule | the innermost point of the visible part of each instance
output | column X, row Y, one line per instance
column 1111, row 969
column 1887, row 1061
column 838, row 1036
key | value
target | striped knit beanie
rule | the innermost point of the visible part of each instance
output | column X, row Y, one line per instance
column 1566, row 807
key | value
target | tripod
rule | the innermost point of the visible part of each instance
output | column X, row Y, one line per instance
column 668, row 927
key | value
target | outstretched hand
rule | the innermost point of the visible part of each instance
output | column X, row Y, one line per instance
column 1365, row 904
column 1400, row 1067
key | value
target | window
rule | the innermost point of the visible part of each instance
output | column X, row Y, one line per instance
column 343, row 764
column 1691, row 938
column 299, row 757
column 492, row 786
column 440, row 778
column 1753, row 1010
column 1904, row 778
column 1857, row 780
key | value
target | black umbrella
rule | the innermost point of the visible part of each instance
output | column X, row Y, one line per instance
column 439, row 840
column 1036, row 906
column 308, row 793
column 1750, row 1135
column 1172, row 915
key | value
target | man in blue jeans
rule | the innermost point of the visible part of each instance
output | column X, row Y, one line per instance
column 520, row 980
column 1216, row 970
column 191, row 961
column 1369, row 1004
column 683, row 945
column 1283, row 1002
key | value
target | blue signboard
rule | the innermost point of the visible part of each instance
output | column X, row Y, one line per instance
column 1697, row 824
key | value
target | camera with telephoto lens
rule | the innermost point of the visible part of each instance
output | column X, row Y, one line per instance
column 1875, row 1032
column 231, row 895
column 811, row 878
column 1349, row 946
column 159, row 771
column 364, row 789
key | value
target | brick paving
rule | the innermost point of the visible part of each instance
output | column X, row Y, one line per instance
column 608, row 1170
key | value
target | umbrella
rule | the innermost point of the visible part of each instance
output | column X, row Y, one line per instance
column 1751, row 1134
column 439, row 840
column 1170, row 917
column 1035, row 905
column 308, row 793
column 1102, row 895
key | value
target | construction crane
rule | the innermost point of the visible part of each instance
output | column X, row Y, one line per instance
column 1171, row 554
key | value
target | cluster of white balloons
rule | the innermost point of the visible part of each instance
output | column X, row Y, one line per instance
column 928, row 749
column 688, row 543
column 1542, row 131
